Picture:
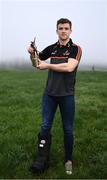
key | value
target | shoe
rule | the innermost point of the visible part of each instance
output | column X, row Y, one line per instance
column 42, row 161
column 68, row 167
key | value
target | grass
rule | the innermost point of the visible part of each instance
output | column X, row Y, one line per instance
column 20, row 120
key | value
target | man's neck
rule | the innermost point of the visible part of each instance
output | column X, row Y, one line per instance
column 64, row 42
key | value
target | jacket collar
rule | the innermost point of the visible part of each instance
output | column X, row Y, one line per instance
column 67, row 45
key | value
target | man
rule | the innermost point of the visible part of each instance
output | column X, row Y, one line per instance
column 64, row 59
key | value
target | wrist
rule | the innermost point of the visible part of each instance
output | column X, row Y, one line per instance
column 48, row 66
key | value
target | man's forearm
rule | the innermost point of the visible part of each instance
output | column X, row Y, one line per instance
column 63, row 67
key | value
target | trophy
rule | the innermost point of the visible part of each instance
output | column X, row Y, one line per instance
column 35, row 59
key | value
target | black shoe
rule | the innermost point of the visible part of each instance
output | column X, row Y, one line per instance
column 42, row 161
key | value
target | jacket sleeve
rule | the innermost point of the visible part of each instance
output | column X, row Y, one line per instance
column 45, row 54
column 76, row 53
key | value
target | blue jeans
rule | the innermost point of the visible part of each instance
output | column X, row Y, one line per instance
column 67, row 110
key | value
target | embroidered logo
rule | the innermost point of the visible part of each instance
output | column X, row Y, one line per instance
column 54, row 52
column 42, row 142
column 66, row 53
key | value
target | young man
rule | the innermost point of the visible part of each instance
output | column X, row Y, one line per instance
column 64, row 59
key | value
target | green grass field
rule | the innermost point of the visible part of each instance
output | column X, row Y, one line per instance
column 20, row 120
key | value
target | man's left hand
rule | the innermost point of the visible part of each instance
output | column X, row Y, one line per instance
column 42, row 65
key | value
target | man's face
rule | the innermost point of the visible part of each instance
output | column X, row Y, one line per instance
column 63, row 31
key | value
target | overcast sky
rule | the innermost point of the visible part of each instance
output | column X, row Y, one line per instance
column 21, row 20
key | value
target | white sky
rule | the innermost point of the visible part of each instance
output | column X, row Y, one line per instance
column 21, row 20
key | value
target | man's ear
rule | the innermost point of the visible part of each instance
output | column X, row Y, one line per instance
column 56, row 31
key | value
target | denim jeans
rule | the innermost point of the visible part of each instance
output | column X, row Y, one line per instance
column 67, row 110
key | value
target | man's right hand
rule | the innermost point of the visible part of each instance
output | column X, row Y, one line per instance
column 33, row 56
column 31, row 51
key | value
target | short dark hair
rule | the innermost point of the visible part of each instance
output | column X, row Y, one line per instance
column 63, row 21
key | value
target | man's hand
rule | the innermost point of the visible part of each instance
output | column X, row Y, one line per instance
column 31, row 51
column 33, row 56
column 42, row 65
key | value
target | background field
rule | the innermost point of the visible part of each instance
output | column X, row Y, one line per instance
column 20, row 119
